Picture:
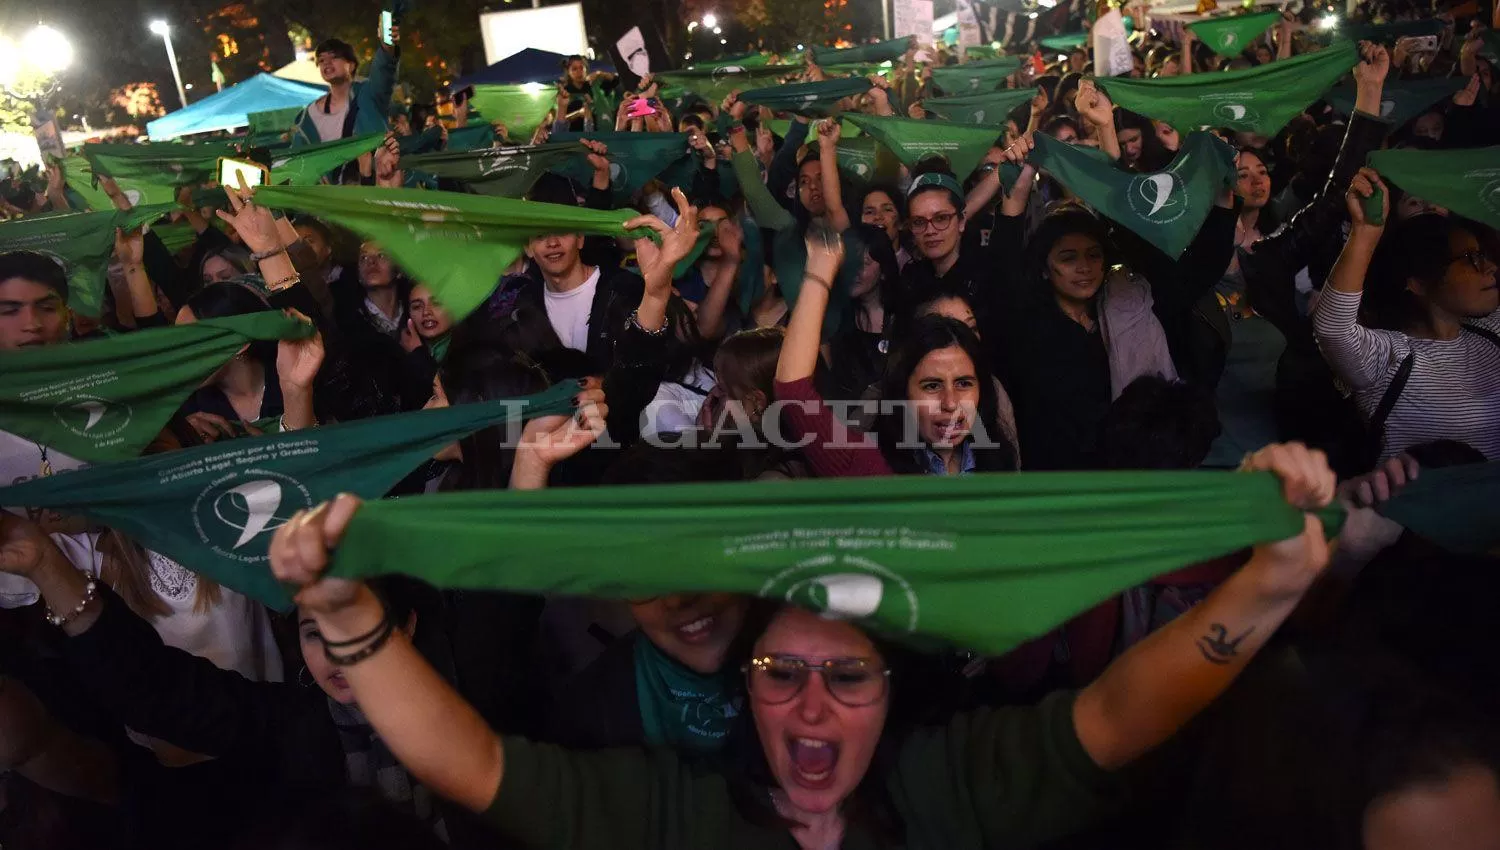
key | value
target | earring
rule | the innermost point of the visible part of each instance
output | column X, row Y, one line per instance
column 304, row 672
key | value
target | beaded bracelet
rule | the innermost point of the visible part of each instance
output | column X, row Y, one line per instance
column 382, row 634
column 634, row 321
column 61, row 620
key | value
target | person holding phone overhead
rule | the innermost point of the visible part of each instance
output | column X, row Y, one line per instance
column 350, row 108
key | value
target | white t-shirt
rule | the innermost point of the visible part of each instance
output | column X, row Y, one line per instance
column 569, row 312
column 676, row 405
column 330, row 124
column 21, row 460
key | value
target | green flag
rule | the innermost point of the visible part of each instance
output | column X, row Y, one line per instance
column 1453, row 506
column 214, row 508
column 634, row 159
column 1257, row 100
column 716, row 83
column 505, row 171
column 106, row 399
column 810, row 99
column 1400, row 100
column 307, row 166
column 274, row 121
column 864, row 54
column 987, row 108
column 521, row 108
column 176, row 236
column 912, row 140
column 457, row 244
column 1464, row 181
column 1165, row 208
column 975, row 77
column 982, row 561
column 1065, row 43
column 857, row 158
column 151, row 173
column 81, row 242
column 1230, row 35
column 82, row 192
column 1387, row 34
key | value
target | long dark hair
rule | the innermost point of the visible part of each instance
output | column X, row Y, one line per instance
column 1414, row 249
column 234, row 298
column 486, row 374
column 926, row 335
column 1065, row 220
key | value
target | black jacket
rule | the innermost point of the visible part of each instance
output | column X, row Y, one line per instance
column 599, row 707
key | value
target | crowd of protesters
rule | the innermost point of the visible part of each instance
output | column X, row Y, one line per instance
column 1322, row 326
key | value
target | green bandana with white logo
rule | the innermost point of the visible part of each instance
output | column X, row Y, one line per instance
column 1466, row 182
column 987, row 108
column 681, row 707
column 976, row 77
column 863, row 54
column 521, row 107
column 152, row 173
column 1165, row 208
column 635, row 159
column 81, row 242
column 508, row 172
column 814, row 100
column 1400, row 100
column 715, row 83
column 307, row 166
column 1230, row 35
column 107, row 399
column 213, row 508
column 984, row 561
column 912, row 140
column 1256, row 100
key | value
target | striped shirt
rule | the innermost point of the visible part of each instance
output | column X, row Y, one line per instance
column 1453, row 392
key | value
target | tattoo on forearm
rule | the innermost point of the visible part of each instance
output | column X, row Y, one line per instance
column 1217, row 647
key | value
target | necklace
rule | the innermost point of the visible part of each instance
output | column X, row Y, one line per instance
column 46, row 464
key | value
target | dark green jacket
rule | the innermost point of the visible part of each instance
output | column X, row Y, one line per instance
column 370, row 103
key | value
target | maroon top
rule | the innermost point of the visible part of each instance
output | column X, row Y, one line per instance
column 833, row 449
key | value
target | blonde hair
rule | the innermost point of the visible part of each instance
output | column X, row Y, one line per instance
column 127, row 569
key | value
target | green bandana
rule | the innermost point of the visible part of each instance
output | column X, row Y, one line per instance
column 1230, row 35
column 1453, row 506
column 213, row 508
column 1464, row 181
column 1064, row 43
column 480, row 135
column 934, row 178
column 987, row 108
column 521, row 108
column 976, row 77
column 82, row 242
column 857, row 158
column 505, row 171
column 864, row 54
column 308, row 166
column 107, row 399
column 634, row 159
column 744, row 60
column 457, row 244
column 983, row 561
column 439, row 347
column 1165, row 208
column 1387, row 34
column 175, row 237
column 151, row 173
column 273, row 121
column 912, row 140
column 1400, row 100
column 811, row 99
column 716, row 83
column 1257, row 100
column 82, row 190
column 680, row 707
column 427, row 141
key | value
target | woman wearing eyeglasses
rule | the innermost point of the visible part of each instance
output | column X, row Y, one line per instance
column 829, row 755
column 1429, row 367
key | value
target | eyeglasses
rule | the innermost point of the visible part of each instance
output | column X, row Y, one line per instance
column 371, row 259
column 777, row 679
column 939, row 222
column 1477, row 259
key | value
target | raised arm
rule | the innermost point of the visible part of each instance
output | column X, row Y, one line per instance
column 711, row 309
column 828, row 160
column 1157, row 686
column 1357, row 354
column 983, row 192
column 1095, row 109
column 804, row 332
column 767, row 211
column 130, row 250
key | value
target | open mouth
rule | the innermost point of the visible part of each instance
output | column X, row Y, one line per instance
column 813, row 761
column 428, row 325
column 953, row 431
column 555, row 257
column 697, row 631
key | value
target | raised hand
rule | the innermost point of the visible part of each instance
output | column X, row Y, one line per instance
column 550, row 440
column 299, row 555
column 1361, row 187
column 731, row 237
column 823, row 258
column 1469, row 94
column 298, row 360
column 1307, row 483
column 1094, row 105
column 130, row 247
column 255, row 224
column 829, row 133
column 388, row 163
column 656, row 261
column 1374, row 64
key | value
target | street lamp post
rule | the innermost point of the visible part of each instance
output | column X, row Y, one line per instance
column 28, row 73
column 161, row 29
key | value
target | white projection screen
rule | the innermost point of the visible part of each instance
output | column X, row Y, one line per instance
column 555, row 28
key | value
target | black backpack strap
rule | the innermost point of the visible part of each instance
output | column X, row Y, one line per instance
column 1392, row 393
column 1488, row 334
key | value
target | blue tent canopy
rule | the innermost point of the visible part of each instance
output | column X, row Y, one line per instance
column 231, row 107
column 528, row 66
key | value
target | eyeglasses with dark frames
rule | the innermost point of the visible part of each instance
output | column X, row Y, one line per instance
column 777, row 679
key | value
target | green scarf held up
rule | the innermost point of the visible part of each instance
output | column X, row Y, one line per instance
column 744, row 60
column 864, row 54
column 521, row 108
column 82, row 242
column 82, row 188
column 214, row 508
column 1387, row 34
column 635, row 159
column 815, row 100
column 1166, row 208
column 984, row 561
column 507, row 172
column 912, row 140
column 457, row 244
column 1400, row 100
column 716, row 83
column 153, row 172
column 1256, row 100
column 479, row 135
column 273, row 121
column 308, row 166
column 1452, row 506
column 106, row 399
column 1065, row 43
column 1230, row 35
column 986, row 108
column 975, row 77
column 1466, row 182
